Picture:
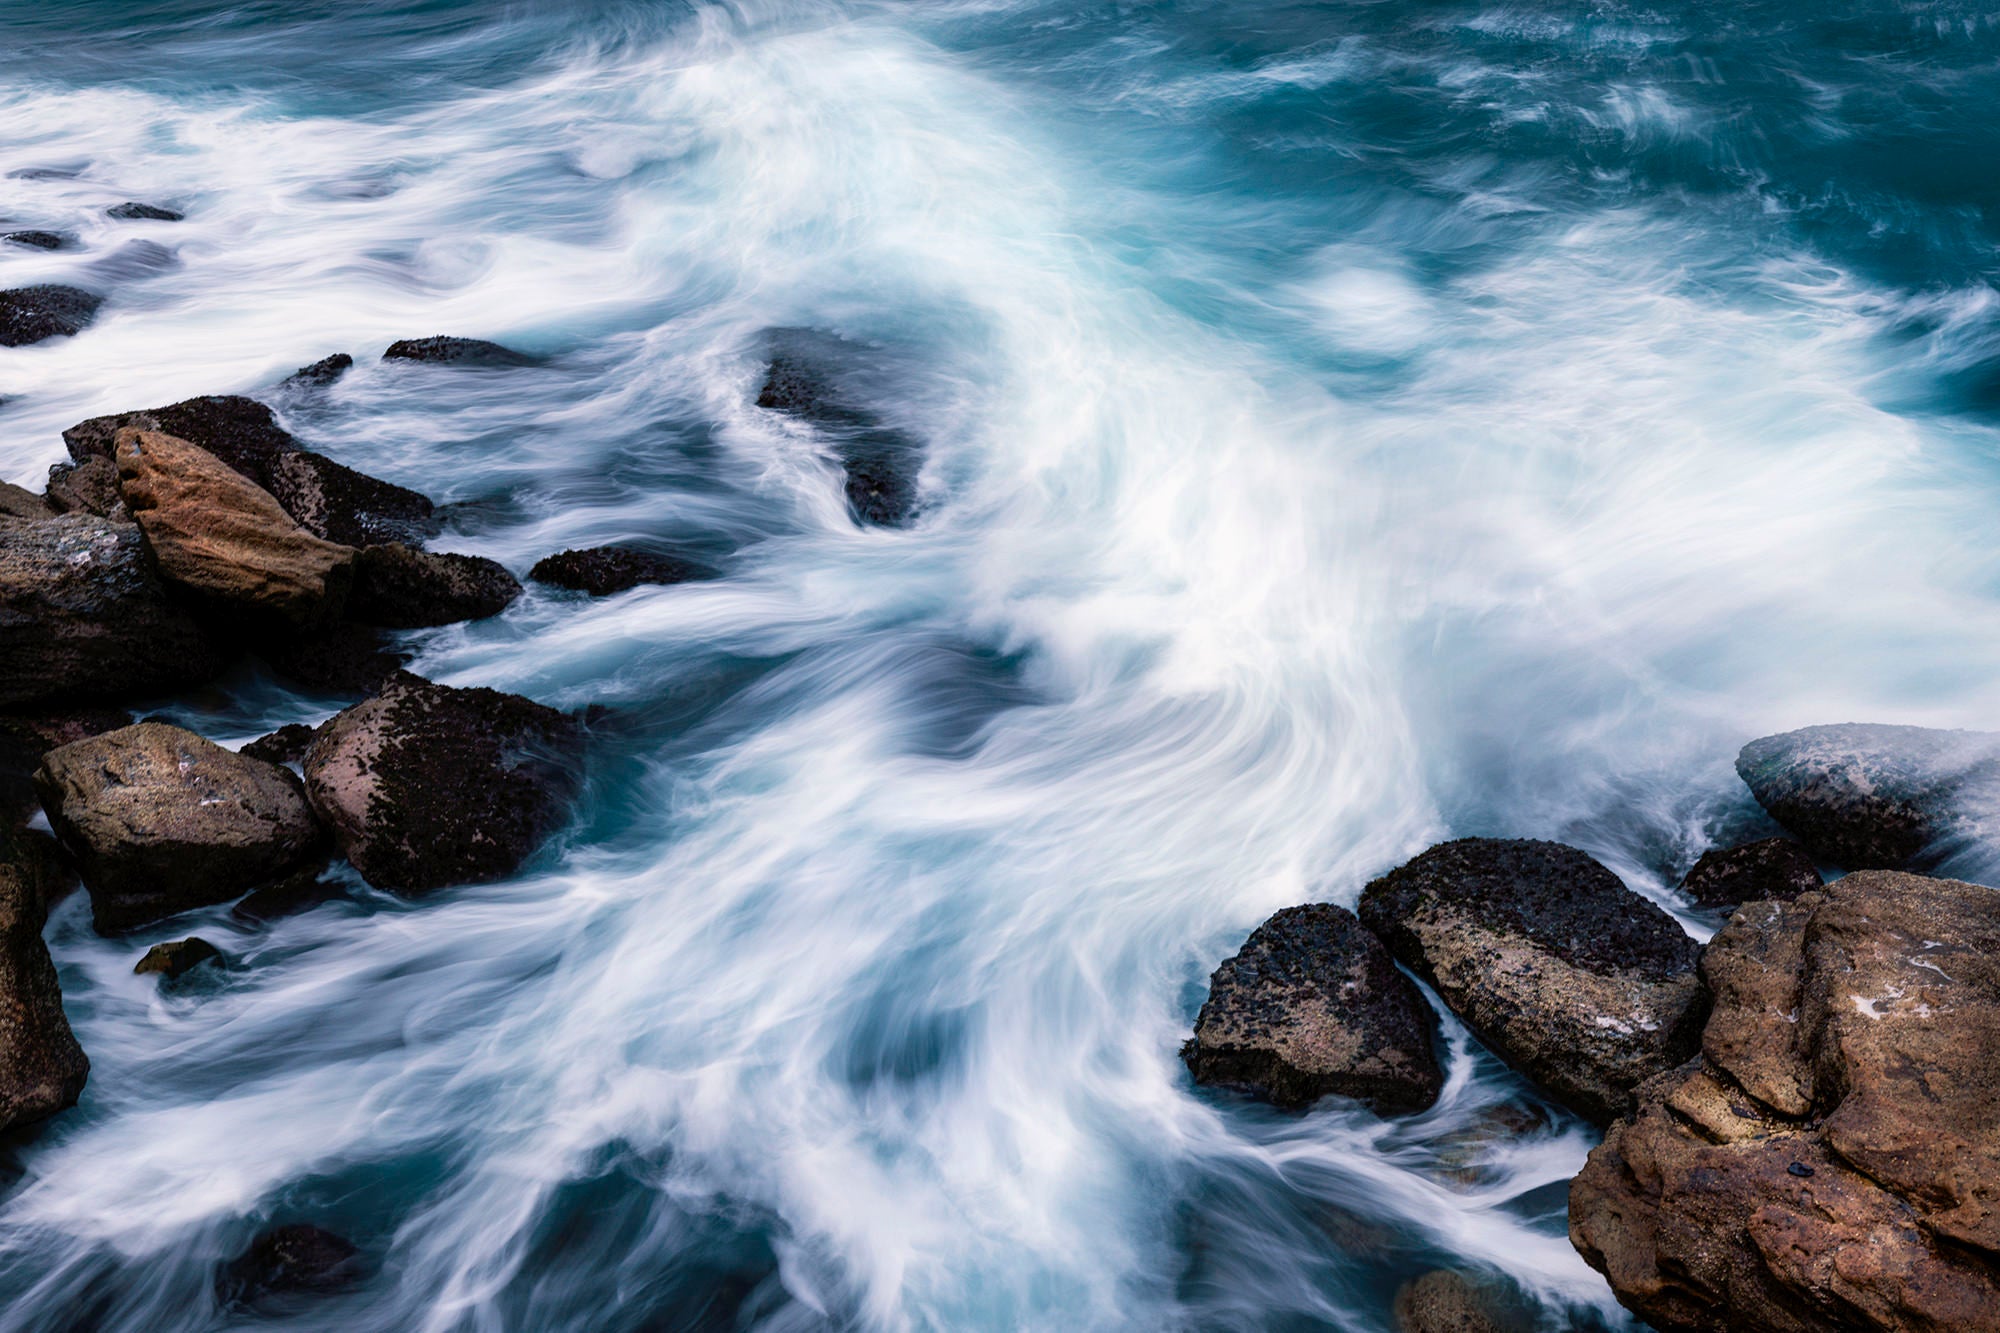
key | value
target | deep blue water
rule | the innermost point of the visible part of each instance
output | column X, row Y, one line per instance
column 1345, row 425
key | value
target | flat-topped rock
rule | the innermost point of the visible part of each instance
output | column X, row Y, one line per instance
column 603, row 570
column 1313, row 1005
column 442, row 351
column 398, row 587
column 134, row 211
column 42, row 1069
column 425, row 785
column 39, row 240
column 83, row 616
column 1566, row 974
column 30, row 315
column 161, row 820
column 222, row 538
column 1832, row 1158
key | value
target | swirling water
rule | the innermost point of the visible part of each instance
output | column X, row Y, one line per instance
column 1346, row 425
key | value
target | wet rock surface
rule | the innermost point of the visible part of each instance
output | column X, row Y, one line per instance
column 222, row 538
column 1313, row 1005
column 161, row 820
column 825, row 380
column 298, row 1257
column 1770, row 868
column 42, row 1069
column 1566, row 974
column 603, row 570
column 30, row 315
column 286, row 745
column 83, row 616
column 177, row 958
column 1447, row 1301
column 398, row 587
column 321, row 372
column 426, row 786
column 346, row 660
column 1832, row 1159
column 134, row 211
column 38, row 240
column 443, row 351
column 1863, row 796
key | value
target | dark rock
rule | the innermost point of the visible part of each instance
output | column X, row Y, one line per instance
column 83, row 616
column 328, row 500
column 322, row 372
column 346, row 660
column 26, row 737
column 286, row 745
column 425, row 785
column 300, row 891
column 602, row 570
column 223, row 539
column 456, row 352
column 1770, row 868
column 1312, row 1005
column 294, row 1258
column 39, row 240
column 35, row 314
column 42, row 1069
column 136, row 212
column 18, row 502
column 177, row 959
column 160, row 821
column 1444, row 1301
column 1832, row 1159
column 1566, row 974
column 825, row 380
column 1863, row 796
column 396, row 587
column 89, row 487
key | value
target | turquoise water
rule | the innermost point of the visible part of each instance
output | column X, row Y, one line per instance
column 1345, row 425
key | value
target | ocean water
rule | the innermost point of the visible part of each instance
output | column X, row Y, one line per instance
column 1345, row 426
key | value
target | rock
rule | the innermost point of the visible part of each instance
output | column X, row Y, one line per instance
column 300, row 891
column 39, row 240
column 823, row 379
column 286, row 745
column 425, row 785
column 161, row 820
column 456, row 351
column 602, row 570
column 16, row 502
column 83, row 616
column 1566, row 974
column 1312, row 1005
column 1444, row 1301
column 396, row 587
column 1832, row 1159
column 322, row 372
column 328, row 500
column 137, row 212
column 35, row 314
column 42, row 1069
column 218, row 535
column 1862, row 796
column 26, row 737
column 294, row 1258
column 89, row 487
column 1770, row 868
column 348, row 660
column 177, row 959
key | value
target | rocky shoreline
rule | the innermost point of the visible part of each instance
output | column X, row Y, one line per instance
column 1802, row 1117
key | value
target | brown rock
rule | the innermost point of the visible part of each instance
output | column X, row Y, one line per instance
column 18, row 503
column 603, row 570
column 42, row 1069
column 220, row 536
column 424, row 785
column 1443, row 1301
column 177, row 958
column 161, row 820
column 1569, row 976
column 1311, row 1005
column 82, row 616
column 1768, row 870
column 1832, row 1161
column 26, row 736
column 397, row 587
column 89, row 487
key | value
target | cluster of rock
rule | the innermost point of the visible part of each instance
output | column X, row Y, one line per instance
column 35, row 314
column 1803, row 1116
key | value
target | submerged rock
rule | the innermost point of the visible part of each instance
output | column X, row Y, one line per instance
column 177, row 959
column 1863, row 796
column 397, row 587
column 602, row 570
column 1311, row 1005
column 456, row 352
column 425, row 785
column 161, row 820
column 1770, row 868
column 218, row 535
column 1566, row 974
column 294, row 1258
column 300, row 891
column 30, row 315
column 321, row 372
column 826, row 380
column 89, row 487
column 329, row 500
column 1446, row 1301
column 1832, row 1159
column 39, row 240
column 42, row 1069
column 133, row 211
column 83, row 616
